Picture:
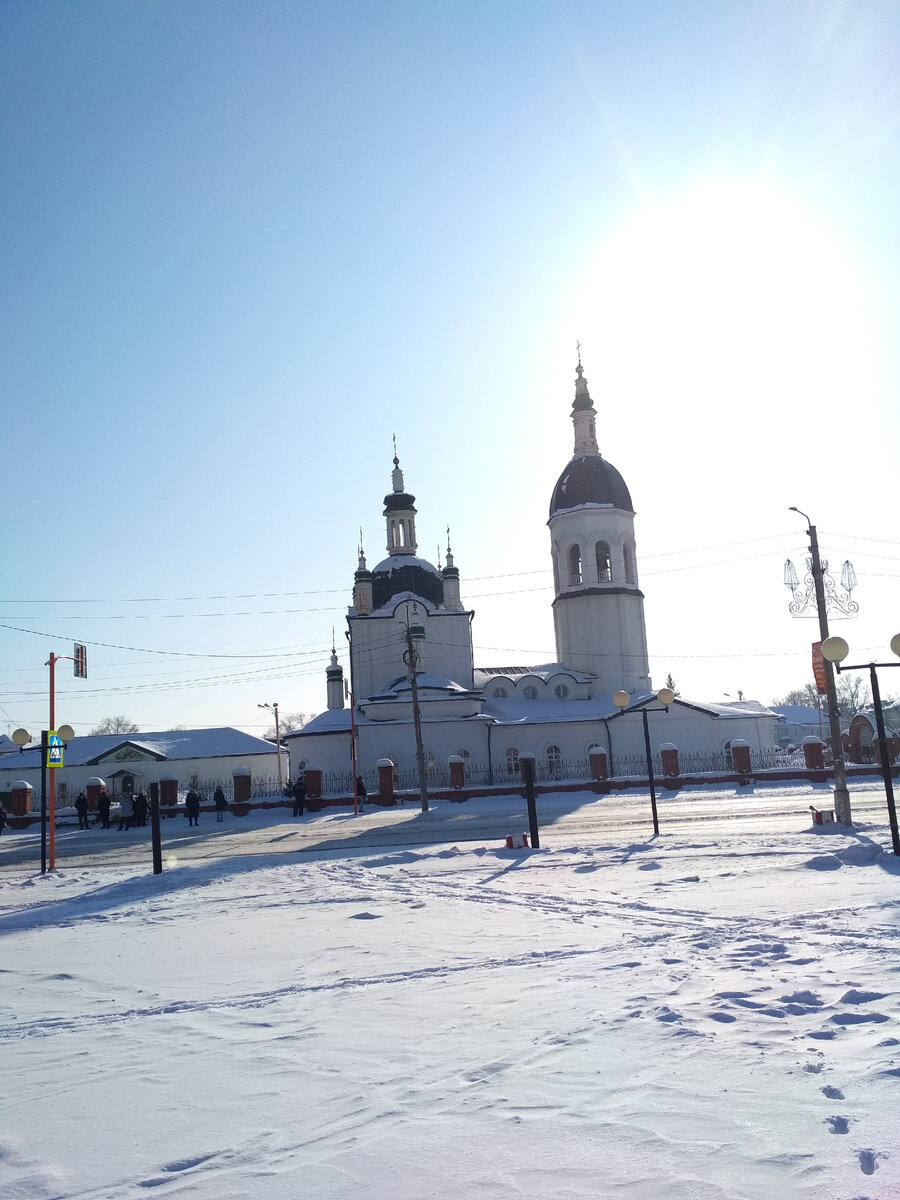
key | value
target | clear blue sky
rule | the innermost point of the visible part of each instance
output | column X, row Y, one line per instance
column 247, row 243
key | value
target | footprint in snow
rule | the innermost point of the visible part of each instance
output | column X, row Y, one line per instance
column 364, row 916
column 868, row 1161
column 838, row 1124
column 833, row 1093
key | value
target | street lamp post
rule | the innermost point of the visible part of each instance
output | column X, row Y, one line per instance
column 274, row 708
column 841, row 794
column 835, row 650
column 665, row 696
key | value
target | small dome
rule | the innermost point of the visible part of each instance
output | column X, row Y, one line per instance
column 590, row 479
column 405, row 573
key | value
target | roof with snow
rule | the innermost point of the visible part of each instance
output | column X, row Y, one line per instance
column 169, row 745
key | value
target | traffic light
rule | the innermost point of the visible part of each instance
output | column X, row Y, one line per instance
column 80, row 661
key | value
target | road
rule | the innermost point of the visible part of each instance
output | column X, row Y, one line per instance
column 565, row 819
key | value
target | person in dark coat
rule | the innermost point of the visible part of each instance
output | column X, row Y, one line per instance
column 219, row 798
column 81, row 809
column 192, row 808
column 140, row 809
column 299, row 792
column 103, row 810
column 2, row 818
column 361, row 793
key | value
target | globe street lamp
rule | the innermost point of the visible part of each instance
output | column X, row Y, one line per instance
column 835, row 650
column 665, row 696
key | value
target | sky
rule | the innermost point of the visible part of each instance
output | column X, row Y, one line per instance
column 248, row 244
column 707, row 1015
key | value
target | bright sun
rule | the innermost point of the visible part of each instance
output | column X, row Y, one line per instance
column 729, row 293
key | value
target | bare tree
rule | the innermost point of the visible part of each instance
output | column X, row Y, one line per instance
column 286, row 723
column 853, row 696
column 118, row 724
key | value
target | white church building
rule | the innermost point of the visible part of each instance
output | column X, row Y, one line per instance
column 406, row 609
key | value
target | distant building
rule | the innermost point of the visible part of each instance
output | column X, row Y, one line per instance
column 406, row 607
column 131, row 762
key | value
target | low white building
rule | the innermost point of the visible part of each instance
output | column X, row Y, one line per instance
column 198, row 758
column 407, row 610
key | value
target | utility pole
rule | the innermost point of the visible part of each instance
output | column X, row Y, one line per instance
column 274, row 708
column 841, row 794
column 411, row 658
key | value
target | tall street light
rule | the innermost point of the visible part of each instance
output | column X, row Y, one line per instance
column 835, row 650
column 274, row 708
column 841, row 794
column 665, row 696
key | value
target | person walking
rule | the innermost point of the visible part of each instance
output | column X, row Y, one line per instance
column 103, row 803
column 126, row 811
column 361, row 794
column 219, row 799
column 299, row 792
column 81, row 809
column 192, row 807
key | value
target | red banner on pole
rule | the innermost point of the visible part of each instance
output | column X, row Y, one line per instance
column 818, row 665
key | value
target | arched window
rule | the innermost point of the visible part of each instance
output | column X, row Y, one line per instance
column 430, row 765
column 554, row 761
column 500, row 693
column 575, row 565
column 512, row 761
column 604, row 571
column 630, row 576
column 554, row 555
column 561, row 691
column 729, row 757
column 530, row 692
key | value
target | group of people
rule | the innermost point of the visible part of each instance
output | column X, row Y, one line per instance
column 192, row 803
column 133, row 810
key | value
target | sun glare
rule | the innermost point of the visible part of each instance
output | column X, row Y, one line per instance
column 730, row 292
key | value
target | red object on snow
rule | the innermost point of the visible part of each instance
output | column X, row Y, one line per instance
column 517, row 841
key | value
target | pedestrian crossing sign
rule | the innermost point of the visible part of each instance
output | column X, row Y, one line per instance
column 54, row 749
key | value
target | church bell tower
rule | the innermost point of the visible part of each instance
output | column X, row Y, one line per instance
column 598, row 608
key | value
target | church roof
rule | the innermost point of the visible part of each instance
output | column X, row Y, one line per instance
column 588, row 479
column 406, row 573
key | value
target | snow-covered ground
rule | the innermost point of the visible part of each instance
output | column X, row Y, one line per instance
column 703, row 1016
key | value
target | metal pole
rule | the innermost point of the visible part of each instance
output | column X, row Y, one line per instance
column 278, row 748
column 885, row 759
column 528, row 772
column 841, row 794
column 154, row 829
column 52, row 665
column 43, row 801
column 412, row 661
column 650, row 772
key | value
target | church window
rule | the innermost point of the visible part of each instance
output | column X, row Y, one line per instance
column 554, row 759
column 561, row 691
column 629, row 563
column 555, row 557
column 575, row 565
column 604, row 572
column 512, row 761
column 430, row 765
column 729, row 757
column 530, row 692
column 500, row 693
column 62, row 790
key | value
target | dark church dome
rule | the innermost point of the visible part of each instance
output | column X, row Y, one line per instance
column 405, row 573
column 589, row 479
